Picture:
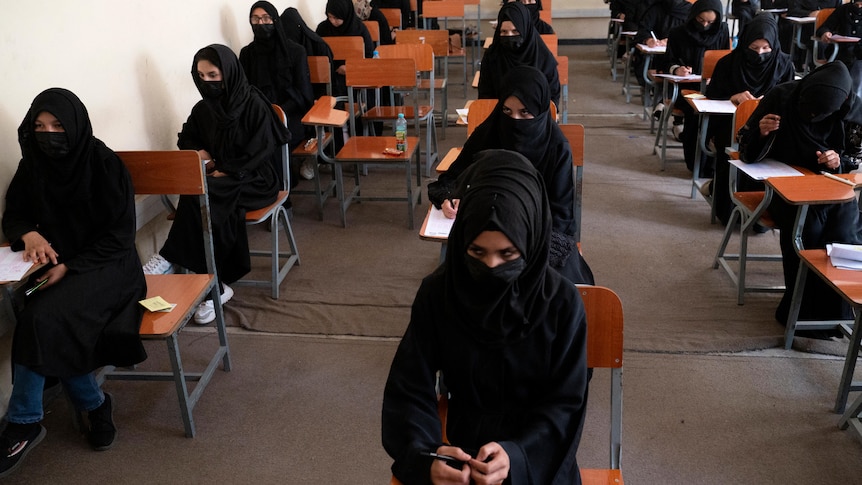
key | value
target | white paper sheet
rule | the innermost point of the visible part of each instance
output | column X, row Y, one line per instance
column 438, row 225
column 12, row 267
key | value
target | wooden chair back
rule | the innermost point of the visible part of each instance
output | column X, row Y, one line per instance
column 377, row 73
column 546, row 12
column 443, row 9
column 422, row 54
column 563, row 73
column 393, row 17
column 373, row 29
column 552, row 41
column 437, row 39
column 165, row 172
column 346, row 47
column 575, row 136
column 710, row 58
column 320, row 71
column 821, row 17
column 740, row 117
column 478, row 112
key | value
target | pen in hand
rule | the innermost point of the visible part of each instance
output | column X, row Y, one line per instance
column 653, row 36
column 449, row 460
column 35, row 287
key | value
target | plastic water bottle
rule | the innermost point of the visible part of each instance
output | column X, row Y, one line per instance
column 401, row 133
column 376, row 55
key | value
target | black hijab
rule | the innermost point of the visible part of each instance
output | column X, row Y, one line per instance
column 270, row 58
column 341, row 9
column 754, row 72
column 705, row 38
column 298, row 31
column 57, row 190
column 502, row 192
column 532, row 52
column 541, row 26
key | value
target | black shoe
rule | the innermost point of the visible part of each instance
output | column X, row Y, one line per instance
column 16, row 441
column 102, row 430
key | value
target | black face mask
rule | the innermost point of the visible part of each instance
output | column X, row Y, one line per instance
column 511, row 42
column 263, row 31
column 497, row 277
column 53, row 144
column 754, row 58
column 212, row 89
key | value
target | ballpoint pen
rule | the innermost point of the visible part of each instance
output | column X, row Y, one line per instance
column 450, row 460
column 653, row 36
column 839, row 179
column 35, row 287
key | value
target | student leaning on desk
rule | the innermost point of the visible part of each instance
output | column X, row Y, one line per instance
column 802, row 123
column 71, row 207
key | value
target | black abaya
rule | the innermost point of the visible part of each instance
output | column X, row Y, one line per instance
column 296, row 30
column 83, row 204
column 514, row 354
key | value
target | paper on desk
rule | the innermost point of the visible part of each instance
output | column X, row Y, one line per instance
column 714, row 106
column 438, row 225
column 767, row 168
column 673, row 77
column 156, row 304
column 845, row 38
column 462, row 114
column 12, row 266
column 845, row 256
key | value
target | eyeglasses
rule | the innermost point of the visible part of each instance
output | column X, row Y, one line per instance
column 266, row 19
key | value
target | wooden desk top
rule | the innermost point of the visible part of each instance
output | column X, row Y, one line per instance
column 845, row 281
column 323, row 113
column 424, row 232
column 182, row 289
column 450, row 157
column 645, row 49
column 812, row 189
column 712, row 106
column 370, row 149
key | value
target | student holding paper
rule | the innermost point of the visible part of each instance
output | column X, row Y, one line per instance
column 845, row 20
column 802, row 123
column 70, row 206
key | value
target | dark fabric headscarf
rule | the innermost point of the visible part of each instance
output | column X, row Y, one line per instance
column 341, row 9
column 746, row 66
column 271, row 58
column 706, row 37
column 533, row 52
column 298, row 31
column 534, row 9
column 678, row 9
column 502, row 192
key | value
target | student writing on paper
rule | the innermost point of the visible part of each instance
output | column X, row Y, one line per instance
column 703, row 30
column 279, row 68
column 845, row 20
column 521, row 122
column 70, row 206
column 510, row 342
column 755, row 66
column 654, row 26
column 802, row 123
column 801, row 9
column 235, row 128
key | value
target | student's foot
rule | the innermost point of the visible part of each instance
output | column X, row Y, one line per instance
column 158, row 265
column 307, row 169
column 15, row 442
column 206, row 310
column 677, row 132
column 102, row 430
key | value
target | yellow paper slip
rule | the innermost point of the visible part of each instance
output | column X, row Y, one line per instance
column 157, row 304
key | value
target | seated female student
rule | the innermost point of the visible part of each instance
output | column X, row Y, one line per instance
column 341, row 20
column 296, row 30
column 654, row 26
column 801, row 8
column 279, row 68
column 366, row 10
column 535, row 6
column 516, row 43
column 802, row 123
column 407, row 19
column 755, row 66
column 845, row 20
column 704, row 30
column 511, row 341
column 744, row 11
column 234, row 129
column 70, row 207
column 522, row 122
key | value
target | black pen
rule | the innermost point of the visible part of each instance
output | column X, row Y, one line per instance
column 446, row 458
column 35, row 287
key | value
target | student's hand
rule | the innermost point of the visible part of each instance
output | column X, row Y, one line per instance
column 768, row 124
column 216, row 173
column 491, row 465
column 205, row 155
column 739, row 98
column 652, row 42
column 341, row 70
column 53, row 275
column 826, row 37
column 450, row 208
column 682, row 71
column 443, row 474
column 37, row 249
column 828, row 158
column 621, row 16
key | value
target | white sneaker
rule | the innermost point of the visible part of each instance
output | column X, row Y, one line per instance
column 158, row 265
column 677, row 132
column 206, row 310
column 307, row 169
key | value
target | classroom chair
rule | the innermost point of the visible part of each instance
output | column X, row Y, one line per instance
column 374, row 30
column 832, row 48
column 575, row 136
column 423, row 56
column 563, row 72
column 393, row 18
column 546, row 13
column 346, row 47
column 276, row 215
column 439, row 41
column 604, row 314
column 749, row 208
column 177, row 172
column 449, row 9
column 552, row 42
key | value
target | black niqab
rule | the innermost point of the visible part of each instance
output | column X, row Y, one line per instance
column 706, row 37
column 298, row 31
column 341, row 9
column 758, row 77
column 270, row 59
column 501, row 191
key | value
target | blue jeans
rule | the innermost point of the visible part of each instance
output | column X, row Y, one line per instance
column 25, row 404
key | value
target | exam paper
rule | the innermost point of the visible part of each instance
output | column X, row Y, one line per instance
column 438, row 225
column 12, row 266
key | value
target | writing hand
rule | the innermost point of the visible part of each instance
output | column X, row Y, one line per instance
column 739, row 98
column 683, row 71
column 37, row 249
column 829, row 158
column 768, row 124
column 491, row 465
column 450, row 208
